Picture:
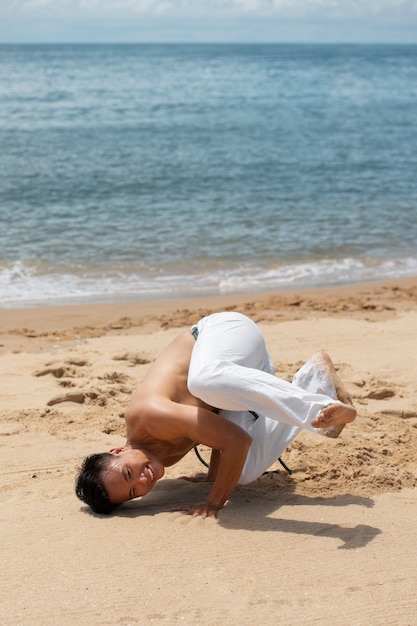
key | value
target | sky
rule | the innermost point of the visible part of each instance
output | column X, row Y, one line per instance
column 212, row 21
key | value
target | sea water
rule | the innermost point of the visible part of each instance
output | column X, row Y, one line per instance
column 155, row 171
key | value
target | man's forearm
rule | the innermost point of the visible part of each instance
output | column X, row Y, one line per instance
column 229, row 469
column 214, row 466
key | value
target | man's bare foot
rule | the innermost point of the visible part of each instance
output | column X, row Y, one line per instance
column 334, row 417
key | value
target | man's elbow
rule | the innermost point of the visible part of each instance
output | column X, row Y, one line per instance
column 238, row 444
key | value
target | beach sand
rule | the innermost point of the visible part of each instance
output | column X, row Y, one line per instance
column 333, row 544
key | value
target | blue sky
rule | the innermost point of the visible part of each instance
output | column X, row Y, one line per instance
column 356, row 21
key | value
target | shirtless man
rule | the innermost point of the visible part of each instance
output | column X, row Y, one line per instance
column 214, row 385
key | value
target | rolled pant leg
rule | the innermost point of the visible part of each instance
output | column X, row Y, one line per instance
column 231, row 369
column 269, row 437
column 269, row 440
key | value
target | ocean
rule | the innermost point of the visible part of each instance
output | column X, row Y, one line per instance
column 131, row 172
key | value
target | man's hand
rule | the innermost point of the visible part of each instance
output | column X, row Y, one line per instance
column 199, row 510
column 197, row 477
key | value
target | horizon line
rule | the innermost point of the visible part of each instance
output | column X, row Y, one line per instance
column 207, row 43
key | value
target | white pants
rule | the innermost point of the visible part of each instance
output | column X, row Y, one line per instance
column 231, row 369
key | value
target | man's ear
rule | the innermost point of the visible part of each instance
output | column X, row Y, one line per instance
column 117, row 450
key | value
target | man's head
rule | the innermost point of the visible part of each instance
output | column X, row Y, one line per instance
column 108, row 479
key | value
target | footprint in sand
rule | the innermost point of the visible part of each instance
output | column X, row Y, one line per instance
column 380, row 394
column 115, row 377
column 73, row 396
column 132, row 358
column 59, row 370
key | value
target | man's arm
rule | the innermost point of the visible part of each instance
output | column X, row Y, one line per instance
column 213, row 469
column 169, row 420
column 210, row 475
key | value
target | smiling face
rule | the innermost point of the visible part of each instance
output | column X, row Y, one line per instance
column 131, row 474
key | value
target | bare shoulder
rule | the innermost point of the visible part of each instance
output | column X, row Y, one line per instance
column 178, row 351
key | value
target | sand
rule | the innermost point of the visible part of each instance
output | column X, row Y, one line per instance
column 334, row 543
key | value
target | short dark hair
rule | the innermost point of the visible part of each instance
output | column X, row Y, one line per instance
column 89, row 487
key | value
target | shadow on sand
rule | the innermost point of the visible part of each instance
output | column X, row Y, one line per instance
column 255, row 506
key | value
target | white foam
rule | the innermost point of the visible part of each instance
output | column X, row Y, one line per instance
column 28, row 284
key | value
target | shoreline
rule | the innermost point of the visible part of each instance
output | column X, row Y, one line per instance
column 40, row 318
